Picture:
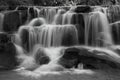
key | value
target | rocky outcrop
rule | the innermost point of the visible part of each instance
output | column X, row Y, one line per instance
column 11, row 21
column 83, row 9
column 40, row 56
column 7, row 53
column 95, row 58
column 115, row 29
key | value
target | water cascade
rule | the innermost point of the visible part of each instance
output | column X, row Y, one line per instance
column 67, row 17
column 97, row 30
column 49, row 14
column 56, row 28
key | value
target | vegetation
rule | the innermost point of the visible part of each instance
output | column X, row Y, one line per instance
column 12, row 3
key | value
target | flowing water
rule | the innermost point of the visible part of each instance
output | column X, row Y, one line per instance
column 55, row 28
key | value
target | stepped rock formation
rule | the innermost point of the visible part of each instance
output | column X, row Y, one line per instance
column 80, row 37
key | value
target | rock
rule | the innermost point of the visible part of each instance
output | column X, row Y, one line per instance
column 90, row 57
column 40, row 56
column 22, row 8
column 8, row 54
column 69, row 35
column 1, row 21
column 8, row 58
column 80, row 25
column 11, row 21
column 83, row 9
column 69, row 58
column 99, row 57
column 24, row 35
column 23, row 16
column 115, row 32
column 4, row 38
column 37, row 22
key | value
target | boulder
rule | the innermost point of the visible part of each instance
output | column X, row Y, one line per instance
column 11, row 21
column 69, row 35
column 99, row 57
column 90, row 57
column 24, row 35
column 40, row 56
column 7, row 53
column 23, row 16
column 83, row 9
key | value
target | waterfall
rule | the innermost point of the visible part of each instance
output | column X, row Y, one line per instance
column 97, row 30
column 27, row 37
column 55, row 29
column 56, row 35
column 31, row 13
column 102, row 9
column 1, row 21
column 67, row 17
column 59, row 17
column 28, row 15
column 38, row 11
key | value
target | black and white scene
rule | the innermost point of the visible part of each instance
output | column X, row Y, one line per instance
column 59, row 40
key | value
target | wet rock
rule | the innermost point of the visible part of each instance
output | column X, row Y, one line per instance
column 24, row 34
column 23, row 16
column 69, row 36
column 8, row 58
column 22, row 8
column 69, row 58
column 100, row 58
column 4, row 38
column 36, row 22
column 11, row 21
column 83, row 9
column 32, row 12
column 80, row 25
column 41, row 57
column 91, row 58
column 115, row 29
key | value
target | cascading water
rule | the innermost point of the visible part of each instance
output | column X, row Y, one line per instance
column 97, row 30
column 1, row 21
column 26, row 37
column 59, row 17
column 67, row 17
column 47, row 36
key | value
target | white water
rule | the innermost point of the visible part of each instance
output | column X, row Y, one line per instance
column 97, row 25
